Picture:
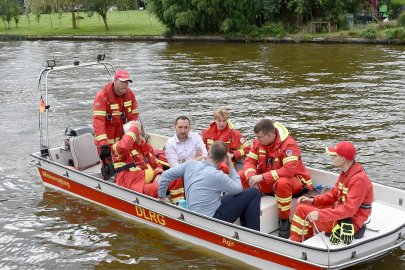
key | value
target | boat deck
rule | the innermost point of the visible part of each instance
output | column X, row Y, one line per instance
column 378, row 225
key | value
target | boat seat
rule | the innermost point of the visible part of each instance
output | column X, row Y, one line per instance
column 268, row 214
column 84, row 151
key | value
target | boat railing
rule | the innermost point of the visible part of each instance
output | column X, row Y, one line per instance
column 44, row 105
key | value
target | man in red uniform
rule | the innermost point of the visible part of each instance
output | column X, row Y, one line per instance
column 274, row 165
column 137, row 167
column 113, row 106
column 221, row 129
column 343, row 210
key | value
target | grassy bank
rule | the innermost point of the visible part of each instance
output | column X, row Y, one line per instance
column 133, row 22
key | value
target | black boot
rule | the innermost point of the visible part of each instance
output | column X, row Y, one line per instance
column 284, row 228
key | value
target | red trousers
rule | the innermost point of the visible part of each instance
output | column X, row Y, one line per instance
column 135, row 180
column 283, row 190
column 302, row 229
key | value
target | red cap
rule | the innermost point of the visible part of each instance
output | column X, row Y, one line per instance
column 122, row 75
column 343, row 149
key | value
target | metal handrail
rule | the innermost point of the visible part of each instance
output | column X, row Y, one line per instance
column 44, row 73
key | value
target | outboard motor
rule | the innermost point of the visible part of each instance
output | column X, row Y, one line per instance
column 74, row 132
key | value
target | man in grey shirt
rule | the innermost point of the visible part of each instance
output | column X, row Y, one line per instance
column 204, row 184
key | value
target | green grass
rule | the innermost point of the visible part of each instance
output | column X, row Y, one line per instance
column 121, row 23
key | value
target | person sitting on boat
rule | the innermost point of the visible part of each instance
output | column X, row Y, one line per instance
column 184, row 145
column 274, row 165
column 344, row 209
column 136, row 165
column 221, row 129
column 204, row 183
column 113, row 106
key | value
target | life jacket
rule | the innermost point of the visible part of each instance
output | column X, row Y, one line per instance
column 118, row 108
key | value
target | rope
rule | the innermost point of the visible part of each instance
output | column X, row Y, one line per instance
column 317, row 232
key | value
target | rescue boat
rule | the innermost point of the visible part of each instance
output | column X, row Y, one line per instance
column 74, row 167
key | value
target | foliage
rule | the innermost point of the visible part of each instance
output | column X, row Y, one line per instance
column 230, row 16
column 396, row 6
column 205, row 16
column 370, row 32
column 9, row 10
column 273, row 29
column 101, row 7
column 395, row 33
column 401, row 19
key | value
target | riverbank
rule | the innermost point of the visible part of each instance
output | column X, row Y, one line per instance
column 214, row 38
column 136, row 25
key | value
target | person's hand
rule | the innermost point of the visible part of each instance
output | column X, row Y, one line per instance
column 105, row 151
column 231, row 155
column 313, row 216
column 305, row 199
column 165, row 200
column 199, row 152
column 228, row 160
column 255, row 179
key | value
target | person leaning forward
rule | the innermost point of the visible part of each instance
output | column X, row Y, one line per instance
column 344, row 209
column 137, row 167
column 204, row 183
column 113, row 106
column 274, row 165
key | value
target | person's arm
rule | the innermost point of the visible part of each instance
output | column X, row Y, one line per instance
column 251, row 161
column 241, row 145
column 134, row 114
column 171, row 153
column 168, row 176
column 99, row 119
column 290, row 164
column 355, row 197
column 201, row 146
column 230, row 184
column 124, row 146
column 204, row 138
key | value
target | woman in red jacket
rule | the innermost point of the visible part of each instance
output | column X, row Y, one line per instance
column 221, row 129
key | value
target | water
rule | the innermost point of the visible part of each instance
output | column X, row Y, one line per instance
column 322, row 93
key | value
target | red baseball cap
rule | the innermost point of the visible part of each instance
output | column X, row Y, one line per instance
column 343, row 149
column 122, row 75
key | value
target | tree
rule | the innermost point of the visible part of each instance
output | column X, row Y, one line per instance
column 205, row 16
column 101, row 7
column 71, row 5
column 6, row 12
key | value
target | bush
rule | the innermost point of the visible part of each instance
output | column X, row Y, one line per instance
column 370, row 32
column 395, row 33
column 273, row 29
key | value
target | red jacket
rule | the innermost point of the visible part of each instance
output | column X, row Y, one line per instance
column 127, row 151
column 111, row 112
column 280, row 159
column 352, row 190
column 237, row 144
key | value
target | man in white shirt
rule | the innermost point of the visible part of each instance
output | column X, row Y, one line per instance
column 184, row 145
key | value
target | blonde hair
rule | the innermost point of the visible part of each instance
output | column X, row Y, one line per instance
column 221, row 112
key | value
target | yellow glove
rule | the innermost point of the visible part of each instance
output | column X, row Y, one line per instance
column 334, row 238
column 347, row 233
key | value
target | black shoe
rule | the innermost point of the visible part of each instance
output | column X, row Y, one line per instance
column 284, row 228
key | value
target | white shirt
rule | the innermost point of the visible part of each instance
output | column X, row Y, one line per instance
column 178, row 152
